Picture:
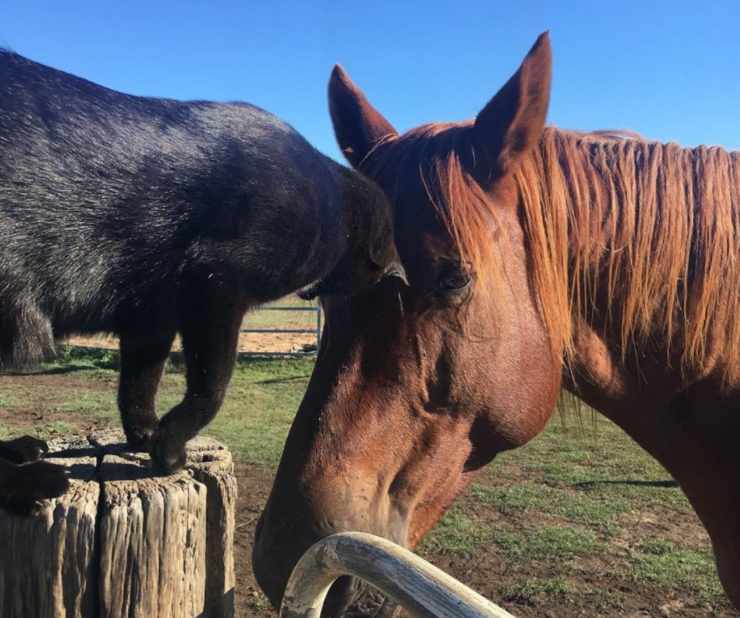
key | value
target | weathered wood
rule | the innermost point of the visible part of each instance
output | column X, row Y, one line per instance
column 422, row 589
column 47, row 560
column 152, row 550
column 123, row 543
column 211, row 464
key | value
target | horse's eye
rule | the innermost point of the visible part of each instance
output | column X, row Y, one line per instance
column 454, row 281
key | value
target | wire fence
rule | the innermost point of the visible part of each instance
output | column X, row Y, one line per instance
column 315, row 328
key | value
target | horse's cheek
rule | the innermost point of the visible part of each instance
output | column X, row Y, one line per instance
column 514, row 423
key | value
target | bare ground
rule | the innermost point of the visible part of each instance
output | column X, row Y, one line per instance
column 255, row 343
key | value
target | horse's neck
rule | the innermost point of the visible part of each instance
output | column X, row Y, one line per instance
column 598, row 367
column 682, row 408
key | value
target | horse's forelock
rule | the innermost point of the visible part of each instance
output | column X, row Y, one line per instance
column 654, row 228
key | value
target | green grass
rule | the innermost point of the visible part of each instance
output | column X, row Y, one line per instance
column 572, row 503
column 83, row 358
column 534, row 591
column 457, row 534
column 576, row 506
column 8, row 400
column 547, row 543
column 261, row 402
column 596, row 460
column 662, row 563
column 95, row 403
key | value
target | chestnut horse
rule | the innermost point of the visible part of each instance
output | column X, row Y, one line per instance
column 537, row 258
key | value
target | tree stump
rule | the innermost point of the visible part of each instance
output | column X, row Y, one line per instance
column 122, row 543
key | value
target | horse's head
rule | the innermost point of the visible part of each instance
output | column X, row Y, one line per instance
column 417, row 387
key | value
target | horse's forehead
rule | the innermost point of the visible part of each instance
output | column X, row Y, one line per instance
column 404, row 168
column 420, row 230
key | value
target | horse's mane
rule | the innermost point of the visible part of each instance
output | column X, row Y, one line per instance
column 648, row 232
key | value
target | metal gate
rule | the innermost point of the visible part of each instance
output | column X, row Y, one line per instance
column 315, row 330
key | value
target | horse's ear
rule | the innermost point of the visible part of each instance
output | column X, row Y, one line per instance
column 357, row 124
column 513, row 120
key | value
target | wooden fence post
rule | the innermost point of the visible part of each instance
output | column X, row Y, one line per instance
column 122, row 543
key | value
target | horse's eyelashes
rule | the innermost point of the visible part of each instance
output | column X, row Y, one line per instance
column 453, row 278
column 455, row 281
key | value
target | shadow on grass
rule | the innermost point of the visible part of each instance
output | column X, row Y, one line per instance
column 284, row 380
column 71, row 359
column 633, row 483
column 50, row 371
column 244, row 359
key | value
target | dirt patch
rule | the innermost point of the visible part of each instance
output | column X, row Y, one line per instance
column 29, row 414
column 254, row 488
column 249, row 343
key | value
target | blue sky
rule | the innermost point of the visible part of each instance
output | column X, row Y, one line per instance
column 670, row 70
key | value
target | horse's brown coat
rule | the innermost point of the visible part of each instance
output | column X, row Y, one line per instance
column 537, row 258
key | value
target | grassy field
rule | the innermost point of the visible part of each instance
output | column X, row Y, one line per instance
column 578, row 522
